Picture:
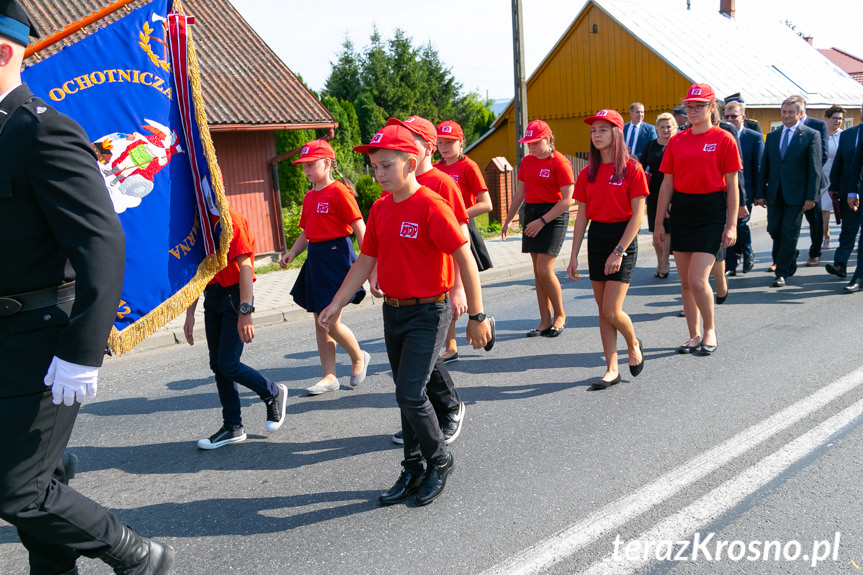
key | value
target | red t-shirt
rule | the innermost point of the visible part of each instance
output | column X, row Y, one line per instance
column 242, row 244
column 413, row 241
column 328, row 213
column 543, row 178
column 468, row 176
column 699, row 162
column 445, row 187
column 609, row 201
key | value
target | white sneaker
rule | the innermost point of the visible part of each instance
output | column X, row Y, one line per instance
column 222, row 437
column 276, row 408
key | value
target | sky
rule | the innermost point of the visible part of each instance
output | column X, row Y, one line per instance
column 475, row 39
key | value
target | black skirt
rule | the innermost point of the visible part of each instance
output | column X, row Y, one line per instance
column 697, row 221
column 477, row 247
column 602, row 238
column 550, row 238
column 327, row 264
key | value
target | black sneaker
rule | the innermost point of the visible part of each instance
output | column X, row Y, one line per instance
column 399, row 437
column 451, row 426
column 276, row 408
column 222, row 437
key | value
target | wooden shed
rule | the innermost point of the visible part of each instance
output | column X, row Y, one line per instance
column 249, row 94
column 618, row 52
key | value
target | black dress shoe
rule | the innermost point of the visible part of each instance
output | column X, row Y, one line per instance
column 406, row 485
column 136, row 555
column 778, row 282
column 838, row 270
column 636, row 369
column 854, row 286
column 604, row 383
column 434, row 481
column 748, row 264
column 731, row 273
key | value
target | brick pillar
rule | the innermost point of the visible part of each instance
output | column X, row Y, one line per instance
column 500, row 181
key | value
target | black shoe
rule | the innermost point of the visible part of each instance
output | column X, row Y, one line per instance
column 778, row 282
column 708, row 349
column 554, row 332
column 748, row 264
column 837, row 270
column 450, row 359
column 852, row 287
column 399, row 437
column 135, row 555
column 406, row 485
column 538, row 332
column 721, row 300
column 434, row 481
column 603, row 383
column 687, row 349
column 222, row 437
column 276, row 408
column 451, row 426
column 636, row 369
column 730, row 273
column 490, row 343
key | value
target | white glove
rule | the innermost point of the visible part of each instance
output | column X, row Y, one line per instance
column 71, row 382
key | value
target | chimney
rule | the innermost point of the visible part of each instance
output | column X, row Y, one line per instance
column 808, row 39
column 726, row 8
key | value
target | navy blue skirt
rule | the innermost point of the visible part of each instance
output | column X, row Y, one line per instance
column 327, row 264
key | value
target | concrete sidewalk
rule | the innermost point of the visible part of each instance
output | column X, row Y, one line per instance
column 274, row 304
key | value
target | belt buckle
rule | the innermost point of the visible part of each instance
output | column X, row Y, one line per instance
column 396, row 300
column 9, row 306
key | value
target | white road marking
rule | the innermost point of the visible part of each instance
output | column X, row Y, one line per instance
column 711, row 506
column 563, row 544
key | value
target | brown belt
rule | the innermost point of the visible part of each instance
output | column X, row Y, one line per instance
column 414, row 300
column 47, row 297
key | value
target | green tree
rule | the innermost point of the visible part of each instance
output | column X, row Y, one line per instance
column 344, row 80
column 292, row 181
column 346, row 137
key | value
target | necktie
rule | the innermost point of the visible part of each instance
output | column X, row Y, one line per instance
column 783, row 145
column 631, row 137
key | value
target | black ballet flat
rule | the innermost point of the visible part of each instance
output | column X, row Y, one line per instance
column 538, row 332
column 553, row 331
column 603, row 384
column 685, row 349
column 708, row 349
column 636, row 369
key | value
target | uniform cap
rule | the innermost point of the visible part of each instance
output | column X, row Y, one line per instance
column 417, row 125
column 736, row 97
column 700, row 93
column 612, row 116
column 449, row 130
column 680, row 110
column 535, row 131
column 15, row 24
column 315, row 150
column 391, row 137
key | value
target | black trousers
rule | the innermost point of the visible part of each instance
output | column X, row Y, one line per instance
column 414, row 336
column 816, row 229
column 55, row 523
column 783, row 225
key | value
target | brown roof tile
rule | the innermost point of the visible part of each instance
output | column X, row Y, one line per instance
column 245, row 84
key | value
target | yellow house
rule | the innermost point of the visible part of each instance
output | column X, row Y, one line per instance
column 618, row 52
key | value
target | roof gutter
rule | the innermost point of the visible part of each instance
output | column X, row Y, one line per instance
column 270, row 127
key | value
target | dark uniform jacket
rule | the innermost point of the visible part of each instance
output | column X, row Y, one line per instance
column 57, row 224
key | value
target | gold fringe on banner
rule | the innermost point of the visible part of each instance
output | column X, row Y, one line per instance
column 124, row 341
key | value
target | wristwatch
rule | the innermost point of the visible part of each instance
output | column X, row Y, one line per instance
column 480, row 317
column 245, row 308
column 620, row 251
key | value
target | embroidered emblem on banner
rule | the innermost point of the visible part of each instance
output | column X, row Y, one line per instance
column 545, row 173
column 146, row 38
column 709, row 147
column 409, row 230
column 323, row 208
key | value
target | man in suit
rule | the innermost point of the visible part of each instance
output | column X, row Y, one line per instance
column 789, row 182
column 637, row 132
column 61, row 276
column 844, row 176
column 747, row 123
column 751, row 146
column 815, row 217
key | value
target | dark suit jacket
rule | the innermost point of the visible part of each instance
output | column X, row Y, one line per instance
column 821, row 127
column 797, row 177
column 646, row 132
column 751, row 149
column 753, row 125
column 845, row 172
column 57, row 224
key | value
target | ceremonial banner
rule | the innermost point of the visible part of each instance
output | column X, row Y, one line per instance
column 134, row 87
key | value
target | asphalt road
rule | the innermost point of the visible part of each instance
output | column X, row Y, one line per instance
column 760, row 442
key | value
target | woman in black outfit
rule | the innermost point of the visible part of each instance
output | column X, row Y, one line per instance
column 651, row 158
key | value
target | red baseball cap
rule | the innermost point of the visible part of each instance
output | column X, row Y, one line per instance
column 612, row 116
column 700, row 93
column 419, row 126
column 391, row 137
column 535, row 131
column 449, row 130
column 315, row 150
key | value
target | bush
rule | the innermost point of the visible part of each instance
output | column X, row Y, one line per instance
column 291, row 221
column 368, row 190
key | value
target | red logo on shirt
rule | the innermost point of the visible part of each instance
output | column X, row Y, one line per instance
column 613, row 182
column 709, row 147
column 409, row 230
column 454, row 176
column 545, row 173
column 323, row 208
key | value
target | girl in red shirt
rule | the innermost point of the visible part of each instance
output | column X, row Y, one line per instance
column 330, row 215
column 610, row 191
column 468, row 176
column 700, row 166
column 545, row 184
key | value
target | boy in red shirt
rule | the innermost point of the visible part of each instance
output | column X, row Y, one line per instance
column 228, row 322
column 410, row 236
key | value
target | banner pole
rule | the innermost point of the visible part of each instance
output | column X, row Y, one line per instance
column 70, row 29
